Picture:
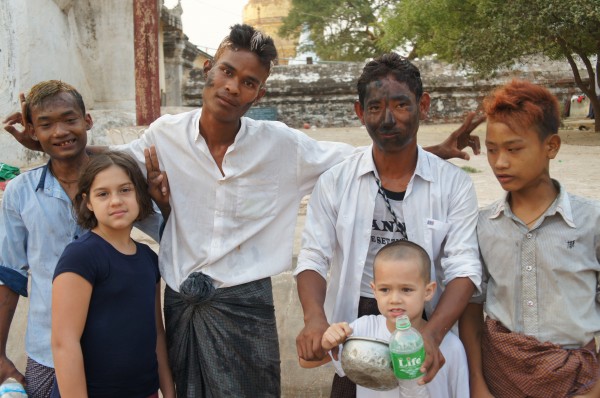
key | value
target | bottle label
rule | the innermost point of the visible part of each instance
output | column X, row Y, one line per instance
column 407, row 366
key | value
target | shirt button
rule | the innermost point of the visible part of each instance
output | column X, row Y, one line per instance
column 529, row 235
column 530, row 303
column 529, row 268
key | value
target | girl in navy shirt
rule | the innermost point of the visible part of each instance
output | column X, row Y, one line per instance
column 108, row 338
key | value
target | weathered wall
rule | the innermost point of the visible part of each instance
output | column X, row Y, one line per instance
column 323, row 94
column 65, row 40
column 86, row 43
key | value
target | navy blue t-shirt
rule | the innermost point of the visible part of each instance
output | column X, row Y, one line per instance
column 119, row 338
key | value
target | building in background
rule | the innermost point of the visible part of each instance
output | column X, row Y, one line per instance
column 267, row 16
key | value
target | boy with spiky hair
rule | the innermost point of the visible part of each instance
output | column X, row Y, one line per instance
column 540, row 248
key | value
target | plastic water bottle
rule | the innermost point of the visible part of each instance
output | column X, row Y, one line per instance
column 408, row 355
column 12, row 389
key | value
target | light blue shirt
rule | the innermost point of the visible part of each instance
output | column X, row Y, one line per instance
column 36, row 223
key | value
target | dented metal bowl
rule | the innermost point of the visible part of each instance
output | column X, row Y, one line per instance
column 367, row 362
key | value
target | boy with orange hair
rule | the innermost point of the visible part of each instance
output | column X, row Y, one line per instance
column 540, row 248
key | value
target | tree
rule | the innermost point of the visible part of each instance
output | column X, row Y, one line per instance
column 488, row 34
column 341, row 30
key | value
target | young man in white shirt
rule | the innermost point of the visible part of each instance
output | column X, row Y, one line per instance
column 390, row 191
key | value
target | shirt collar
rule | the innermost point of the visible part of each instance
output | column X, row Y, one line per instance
column 42, row 182
column 561, row 205
column 423, row 168
column 241, row 132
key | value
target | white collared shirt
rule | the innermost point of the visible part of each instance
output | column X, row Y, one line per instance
column 239, row 227
column 440, row 211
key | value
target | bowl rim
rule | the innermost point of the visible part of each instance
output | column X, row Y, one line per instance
column 359, row 338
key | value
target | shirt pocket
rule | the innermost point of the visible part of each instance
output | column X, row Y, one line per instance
column 435, row 233
column 256, row 199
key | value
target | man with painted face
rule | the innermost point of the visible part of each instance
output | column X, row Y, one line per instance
column 392, row 190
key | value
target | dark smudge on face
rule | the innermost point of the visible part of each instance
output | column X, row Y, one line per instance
column 210, row 82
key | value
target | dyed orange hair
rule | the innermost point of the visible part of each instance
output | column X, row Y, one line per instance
column 521, row 104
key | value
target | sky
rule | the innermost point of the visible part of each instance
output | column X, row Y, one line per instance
column 207, row 22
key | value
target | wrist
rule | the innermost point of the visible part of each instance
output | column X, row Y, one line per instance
column 317, row 315
column 433, row 334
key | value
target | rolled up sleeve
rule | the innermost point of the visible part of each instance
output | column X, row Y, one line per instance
column 318, row 237
column 461, row 251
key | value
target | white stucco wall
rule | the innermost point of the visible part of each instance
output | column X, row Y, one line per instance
column 87, row 43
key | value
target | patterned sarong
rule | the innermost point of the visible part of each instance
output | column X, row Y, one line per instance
column 39, row 378
column 222, row 342
column 519, row 366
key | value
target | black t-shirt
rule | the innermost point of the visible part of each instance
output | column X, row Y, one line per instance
column 119, row 338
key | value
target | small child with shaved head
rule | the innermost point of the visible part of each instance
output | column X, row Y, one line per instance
column 401, row 285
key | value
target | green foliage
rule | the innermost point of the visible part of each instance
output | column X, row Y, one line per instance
column 482, row 34
column 341, row 30
column 487, row 34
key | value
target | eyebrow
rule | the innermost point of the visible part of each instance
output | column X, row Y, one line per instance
column 516, row 141
column 67, row 113
column 120, row 186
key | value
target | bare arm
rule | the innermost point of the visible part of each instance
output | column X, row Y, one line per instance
column 8, row 304
column 451, row 305
column 167, row 387
column 471, row 328
column 71, row 295
column 452, row 147
column 311, row 291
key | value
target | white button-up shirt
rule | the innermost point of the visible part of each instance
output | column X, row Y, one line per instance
column 236, row 227
column 440, row 211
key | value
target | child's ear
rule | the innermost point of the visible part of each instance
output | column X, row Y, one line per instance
column 430, row 290
column 87, row 202
column 372, row 286
column 553, row 145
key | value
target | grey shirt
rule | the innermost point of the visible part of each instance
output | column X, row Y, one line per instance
column 543, row 281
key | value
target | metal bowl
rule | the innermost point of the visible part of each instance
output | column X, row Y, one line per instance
column 367, row 362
